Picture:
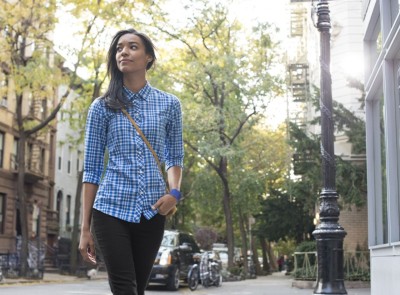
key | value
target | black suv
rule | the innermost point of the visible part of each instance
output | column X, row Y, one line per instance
column 174, row 258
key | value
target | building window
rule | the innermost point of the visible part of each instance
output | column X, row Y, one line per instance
column 59, row 207
column 31, row 105
column 68, row 211
column 69, row 166
column 14, row 155
column 42, row 159
column 51, row 153
column 1, row 149
column 69, row 163
column 4, row 91
column 2, row 212
column 59, row 201
column 78, row 158
column 59, row 162
column 43, row 109
column 29, row 155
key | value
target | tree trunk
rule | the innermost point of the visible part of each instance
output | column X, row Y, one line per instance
column 243, row 235
column 255, row 256
column 272, row 258
column 22, row 204
column 75, row 229
column 21, row 199
column 266, row 265
column 223, row 168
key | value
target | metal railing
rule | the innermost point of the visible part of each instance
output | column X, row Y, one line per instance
column 356, row 265
column 305, row 265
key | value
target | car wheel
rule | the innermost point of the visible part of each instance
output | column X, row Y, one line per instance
column 173, row 281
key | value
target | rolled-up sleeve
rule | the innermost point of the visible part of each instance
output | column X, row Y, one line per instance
column 95, row 143
column 174, row 151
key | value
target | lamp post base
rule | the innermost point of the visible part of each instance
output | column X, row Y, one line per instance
column 330, row 280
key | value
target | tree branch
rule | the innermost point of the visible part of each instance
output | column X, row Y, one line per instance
column 49, row 118
column 241, row 124
column 215, row 167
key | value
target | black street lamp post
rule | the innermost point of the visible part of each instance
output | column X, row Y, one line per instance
column 328, row 234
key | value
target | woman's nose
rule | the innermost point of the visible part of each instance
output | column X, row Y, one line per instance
column 124, row 51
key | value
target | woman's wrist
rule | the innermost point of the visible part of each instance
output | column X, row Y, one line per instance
column 176, row 194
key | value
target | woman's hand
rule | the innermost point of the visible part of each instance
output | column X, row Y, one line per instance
column 165, row 204
column 86, row 247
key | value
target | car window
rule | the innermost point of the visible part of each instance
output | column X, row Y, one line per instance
column 169, row 239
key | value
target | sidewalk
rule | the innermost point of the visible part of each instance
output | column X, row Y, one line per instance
column 49, row 278
column 275, row 284
column 289, row 286
column 280, row 284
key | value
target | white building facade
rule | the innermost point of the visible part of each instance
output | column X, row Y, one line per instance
column 382, row 80
column 69, row 162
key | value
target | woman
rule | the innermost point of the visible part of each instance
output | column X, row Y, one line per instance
column 129, row 203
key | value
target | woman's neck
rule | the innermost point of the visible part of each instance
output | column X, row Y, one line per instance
column 134, row 84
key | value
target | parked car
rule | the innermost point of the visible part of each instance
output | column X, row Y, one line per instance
column 222, row 250
column 174, row 259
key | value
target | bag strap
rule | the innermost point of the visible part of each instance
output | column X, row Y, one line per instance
column 144, row 139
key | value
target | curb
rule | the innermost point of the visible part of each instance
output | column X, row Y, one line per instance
column 66, row 279
column 348, row 284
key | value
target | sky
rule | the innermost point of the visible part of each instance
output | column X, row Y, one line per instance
column 272, row 11
column 246, row 11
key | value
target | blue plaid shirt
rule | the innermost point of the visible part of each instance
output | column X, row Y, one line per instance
column 132, row 180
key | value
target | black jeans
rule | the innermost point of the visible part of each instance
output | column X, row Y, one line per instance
column 128, row 249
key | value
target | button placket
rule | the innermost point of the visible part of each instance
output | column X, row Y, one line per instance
column 141, row 166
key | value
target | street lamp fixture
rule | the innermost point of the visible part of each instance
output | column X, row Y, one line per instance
column 328, row 234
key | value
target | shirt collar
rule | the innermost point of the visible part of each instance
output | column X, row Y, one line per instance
column 143, row 93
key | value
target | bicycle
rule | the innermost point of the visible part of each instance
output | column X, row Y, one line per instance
column 206, row 270
column 210, row 271
column 194, row 272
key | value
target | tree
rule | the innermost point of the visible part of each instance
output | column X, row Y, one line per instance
column 223, row 85
column 264, row 163
column 351, row 174
column 284, row 218
column 27, row 61
column 206, row 237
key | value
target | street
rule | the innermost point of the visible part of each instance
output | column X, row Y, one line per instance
column 276, row 284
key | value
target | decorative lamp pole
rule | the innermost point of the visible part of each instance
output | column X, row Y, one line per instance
column 328, row 234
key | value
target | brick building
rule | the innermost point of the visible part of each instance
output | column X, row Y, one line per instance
column 39, row 177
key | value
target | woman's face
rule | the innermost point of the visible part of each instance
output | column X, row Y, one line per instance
column 131, row 55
